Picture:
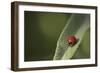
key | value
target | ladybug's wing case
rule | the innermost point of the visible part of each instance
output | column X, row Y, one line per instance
column 71, row 40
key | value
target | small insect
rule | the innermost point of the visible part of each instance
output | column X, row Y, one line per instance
column 71, row 40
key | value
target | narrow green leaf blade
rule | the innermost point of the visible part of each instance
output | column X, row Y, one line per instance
column 77, row 25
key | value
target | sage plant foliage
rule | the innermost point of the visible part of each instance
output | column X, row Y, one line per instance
column 79, row 26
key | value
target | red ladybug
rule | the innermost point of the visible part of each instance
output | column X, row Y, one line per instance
column 71, row 40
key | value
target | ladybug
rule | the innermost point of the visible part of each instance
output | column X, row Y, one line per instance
column 71, row 40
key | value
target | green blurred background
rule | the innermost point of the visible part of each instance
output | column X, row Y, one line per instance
column 41, row 31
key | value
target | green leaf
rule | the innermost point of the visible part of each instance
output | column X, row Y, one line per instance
column 84, row 47
column 77, row 25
